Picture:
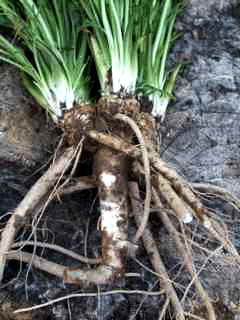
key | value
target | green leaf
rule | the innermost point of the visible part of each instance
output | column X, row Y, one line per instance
column 52, row 50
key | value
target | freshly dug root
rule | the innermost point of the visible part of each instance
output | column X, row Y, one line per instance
column 30, row 201
column 179, row 184
column 183, row 211
column 111, row 174
column 81, row 183
column 116, row 143
column 120, row 153
column 37, row 262
column 217, row 230
column 207, row 188
column 152, row 251
column 186, row 255
column 157, row 166
column 146, row 164
column 57, row 248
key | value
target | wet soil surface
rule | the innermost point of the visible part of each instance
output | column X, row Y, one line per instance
column 200, row 138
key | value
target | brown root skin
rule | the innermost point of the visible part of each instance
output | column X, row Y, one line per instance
column 31, row 201
column 110, row 169
column 101, row 117
column 114, row 104
column 100, row 275
column 151, row 248
column 120, row 138
column 183, row 211
column 180, row 186
column 77, row 122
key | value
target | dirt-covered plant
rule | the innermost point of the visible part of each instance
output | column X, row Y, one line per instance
column 129, row 42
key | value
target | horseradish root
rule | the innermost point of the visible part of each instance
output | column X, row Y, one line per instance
column 111, row 173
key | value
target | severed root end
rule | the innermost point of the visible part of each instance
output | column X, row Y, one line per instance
column 111, row 172
column 103, row 274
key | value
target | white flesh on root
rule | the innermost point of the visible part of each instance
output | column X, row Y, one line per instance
column 111, row 175
column 188, row 218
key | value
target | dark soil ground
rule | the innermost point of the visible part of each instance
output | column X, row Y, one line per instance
column 199, row 137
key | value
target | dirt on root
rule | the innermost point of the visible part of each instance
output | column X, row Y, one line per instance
column 200, row 140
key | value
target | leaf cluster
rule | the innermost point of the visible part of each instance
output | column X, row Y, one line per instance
column 129, row 41
column 50, row 49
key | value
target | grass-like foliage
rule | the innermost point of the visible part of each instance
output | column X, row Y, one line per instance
column 113, row 41
column 129, row 41
column 50, row 48
column 132, row 38
column 159, row 34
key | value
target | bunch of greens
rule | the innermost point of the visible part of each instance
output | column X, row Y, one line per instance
column 158, row 30
column 113, row 42
column 129, row 41
column 132, row 38
column 50, row 48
